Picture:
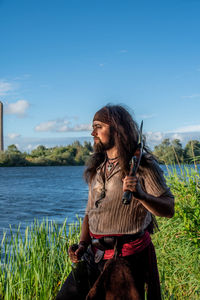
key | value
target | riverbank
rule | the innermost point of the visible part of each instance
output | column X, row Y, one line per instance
column 75, row 154
column 36, row 265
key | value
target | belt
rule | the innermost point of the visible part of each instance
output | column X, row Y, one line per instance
column 109, row 242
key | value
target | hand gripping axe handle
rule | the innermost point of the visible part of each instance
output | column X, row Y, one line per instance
column 134, row 164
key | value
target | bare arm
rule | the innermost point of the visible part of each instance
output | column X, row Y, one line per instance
column 162, row 206
column 84, row 242
column 85, row 236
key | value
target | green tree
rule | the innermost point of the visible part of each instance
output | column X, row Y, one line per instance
column 164, row 152
column 178, row 150
column 81, row 156
column 88, row 146
column 12, row 149
column 13, row 157
column 76, row 144
column 192, row 152
column 169, row 152
column 39, row 151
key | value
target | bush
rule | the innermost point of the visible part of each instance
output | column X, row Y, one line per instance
column 186, row 189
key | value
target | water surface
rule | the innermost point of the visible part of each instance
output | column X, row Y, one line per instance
column 27, row 193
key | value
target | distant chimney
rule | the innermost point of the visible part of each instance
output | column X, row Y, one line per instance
column 1, row 126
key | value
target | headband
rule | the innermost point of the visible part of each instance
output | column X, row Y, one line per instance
column 103, row 116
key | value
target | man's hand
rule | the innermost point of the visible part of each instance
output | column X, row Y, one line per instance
column 76, row 251
column 131, row 183
column 162, row 206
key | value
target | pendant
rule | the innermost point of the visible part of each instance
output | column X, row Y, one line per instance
column 103, row 194
column 110, row 166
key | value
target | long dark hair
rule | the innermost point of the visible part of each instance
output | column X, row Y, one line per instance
column 126, row 133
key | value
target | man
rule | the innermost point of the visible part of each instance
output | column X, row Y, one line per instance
column 115, row 229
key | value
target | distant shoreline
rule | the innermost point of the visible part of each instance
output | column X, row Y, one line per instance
column 77, row 154
column 22, row 166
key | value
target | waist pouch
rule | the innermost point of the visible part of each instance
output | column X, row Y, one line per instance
column 109, row 242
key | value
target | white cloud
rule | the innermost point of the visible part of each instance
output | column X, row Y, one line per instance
column 191, row 96
column 83, row 127
column 123, row 51
column 190, row 128
column 154, row 136
column 44, row 85
column 101, row 65
column 13, row 135
column 46, row 126
column 18, row 108
column 61, row 125
column 63, row 128
column 23, row 77
column 177, row 136
column 5, row 87
column 17, row 145
column 147, row 116
column 30, row 147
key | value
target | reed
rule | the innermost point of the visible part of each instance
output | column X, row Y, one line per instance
column 35, row 265
column 178, row 261
column 177, row 243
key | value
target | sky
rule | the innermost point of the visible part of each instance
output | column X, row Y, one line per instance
column 61, row 61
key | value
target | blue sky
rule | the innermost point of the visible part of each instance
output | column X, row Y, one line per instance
column 60, row 61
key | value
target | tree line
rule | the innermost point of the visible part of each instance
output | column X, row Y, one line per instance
column 168, row 152
column 71, row 155
column 172, row 152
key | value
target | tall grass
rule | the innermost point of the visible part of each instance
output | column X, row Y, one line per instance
column 35, row 266
column 186, row 188
column 177, row 243
column 178, row 261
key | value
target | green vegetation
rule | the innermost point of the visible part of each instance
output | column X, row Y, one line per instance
column 75, row 154
column 186, row 188
column 177, row 243
column 168, row 152
column 172, row 152
column 35, row 267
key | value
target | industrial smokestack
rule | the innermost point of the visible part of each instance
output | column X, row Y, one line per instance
column 1, row 126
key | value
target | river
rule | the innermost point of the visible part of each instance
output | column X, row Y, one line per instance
column 28, row 193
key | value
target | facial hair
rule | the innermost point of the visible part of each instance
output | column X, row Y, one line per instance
column 102, row 147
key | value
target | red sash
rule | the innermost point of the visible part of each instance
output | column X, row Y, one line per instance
column 129, row 248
